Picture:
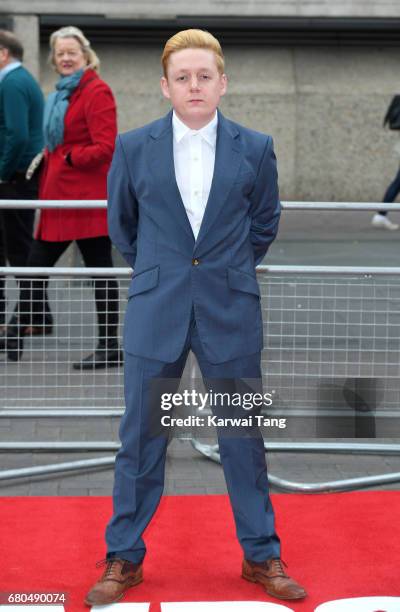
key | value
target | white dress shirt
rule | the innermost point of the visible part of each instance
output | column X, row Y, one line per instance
column 194, row 157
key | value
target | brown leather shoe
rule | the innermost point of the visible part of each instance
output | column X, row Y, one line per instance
column 273, row 577
column 119, row 575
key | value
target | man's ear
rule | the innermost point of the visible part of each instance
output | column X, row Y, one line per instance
column 164, row 87
column 224, row 84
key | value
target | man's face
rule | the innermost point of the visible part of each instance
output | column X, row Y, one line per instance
column 5, row 57
column 194, row 86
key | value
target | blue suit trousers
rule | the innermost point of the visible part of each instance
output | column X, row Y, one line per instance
column 140, row 463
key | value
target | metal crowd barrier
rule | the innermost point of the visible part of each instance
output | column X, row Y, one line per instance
column 292, row 205
column 323, row 321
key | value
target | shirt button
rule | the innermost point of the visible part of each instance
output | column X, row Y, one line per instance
column 195, row 262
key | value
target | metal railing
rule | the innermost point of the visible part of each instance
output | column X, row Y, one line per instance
column 286, row 205
column 324, row 322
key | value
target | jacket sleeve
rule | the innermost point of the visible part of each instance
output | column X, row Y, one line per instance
column 265, row 209
column 16, row 120
column 101, row 117
column 122, row 206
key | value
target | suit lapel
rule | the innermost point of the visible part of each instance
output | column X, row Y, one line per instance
column 228, row 156
column 162, row 168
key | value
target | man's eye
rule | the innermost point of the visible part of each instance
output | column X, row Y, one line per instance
column 205, row 77
column 182, row 78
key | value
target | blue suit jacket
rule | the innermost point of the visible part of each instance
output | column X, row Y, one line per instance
column 174, row 273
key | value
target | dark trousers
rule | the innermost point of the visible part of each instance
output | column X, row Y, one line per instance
column 96, row 252
column 16, row 227
column 140, row 463
column 392, row 191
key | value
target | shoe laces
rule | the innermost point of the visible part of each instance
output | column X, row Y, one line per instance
column 276, row 565
column 110, row 566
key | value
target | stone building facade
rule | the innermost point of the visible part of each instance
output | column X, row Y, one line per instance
column 317, row 75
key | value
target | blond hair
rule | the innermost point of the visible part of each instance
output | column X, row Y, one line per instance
column 193, row 39
column 73, row 32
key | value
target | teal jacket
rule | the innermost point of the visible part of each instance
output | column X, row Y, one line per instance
column 21, row 121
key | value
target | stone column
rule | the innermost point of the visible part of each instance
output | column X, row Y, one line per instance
column 26, row 28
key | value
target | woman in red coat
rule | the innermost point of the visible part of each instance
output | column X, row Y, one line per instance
column 80, row 130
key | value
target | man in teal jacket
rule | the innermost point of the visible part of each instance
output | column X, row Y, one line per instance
column 21, row 117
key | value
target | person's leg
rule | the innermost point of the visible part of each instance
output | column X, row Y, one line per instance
column 18, row 222
column 139, row 474
column 2, row 281
column 380, row 218
column 18, row 228
column 33, row 294
column 43, row 253
column 18, row 225
column 139, row 466
column 393, row 190
column 19, row 237
column 242, row 456
column 96, row 252
column 16, row 233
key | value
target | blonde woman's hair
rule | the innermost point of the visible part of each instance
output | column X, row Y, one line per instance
column 73, row 32
column 193, row 39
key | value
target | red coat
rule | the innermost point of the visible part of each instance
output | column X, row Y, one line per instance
column 90, row 129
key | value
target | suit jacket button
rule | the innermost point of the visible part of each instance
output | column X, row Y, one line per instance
column 195, row 262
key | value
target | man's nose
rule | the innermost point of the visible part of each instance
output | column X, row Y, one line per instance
column 194, row 83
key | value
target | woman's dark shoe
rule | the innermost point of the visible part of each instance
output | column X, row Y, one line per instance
column 4, row 332
column 14, row 343
column 103, row 357
column 9, row 330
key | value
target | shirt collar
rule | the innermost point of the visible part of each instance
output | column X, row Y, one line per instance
column 8, row 68
column 208, row 132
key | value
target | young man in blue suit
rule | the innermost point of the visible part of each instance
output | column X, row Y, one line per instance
column 193, row 207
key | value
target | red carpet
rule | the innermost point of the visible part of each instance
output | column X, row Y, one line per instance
column 336, row 545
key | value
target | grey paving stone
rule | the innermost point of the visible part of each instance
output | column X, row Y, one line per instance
column 221, row 490
column 42, row 488
column 21, row 430
column 392, row 462
column 74, row 492
column 47, row 434
column 101, row 491
column 189, row 491
column 75, row 436
column 9, row 461
column 87, row 479
column 12, row 489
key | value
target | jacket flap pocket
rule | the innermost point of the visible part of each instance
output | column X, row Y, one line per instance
column 144, row 281
column 242, row 281
column 247, row 176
